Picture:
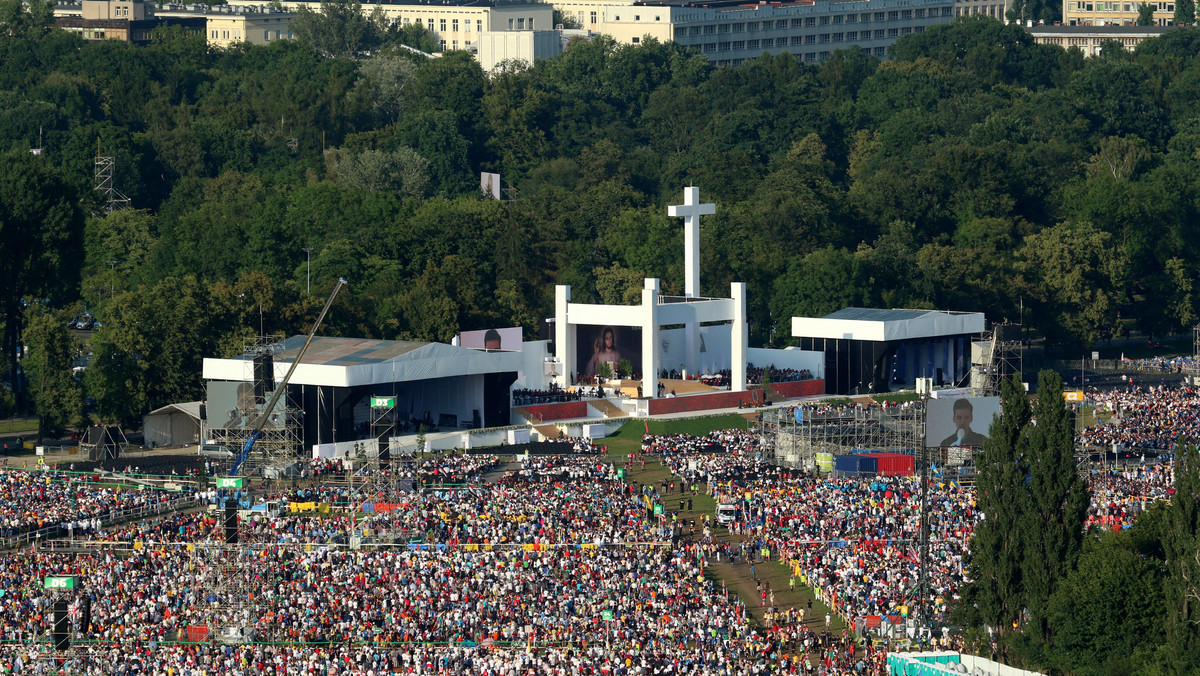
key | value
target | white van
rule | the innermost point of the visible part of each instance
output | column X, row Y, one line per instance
column 726, row 514
column 215, row 451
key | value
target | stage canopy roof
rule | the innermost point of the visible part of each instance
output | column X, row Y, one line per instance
column 350, row 362
column 868, row 324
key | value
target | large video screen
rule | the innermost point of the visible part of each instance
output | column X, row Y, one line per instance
column 597, row 345
column 492, row 339
column 232, row 404
column 959, row 421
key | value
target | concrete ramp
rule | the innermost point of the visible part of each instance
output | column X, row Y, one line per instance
column 607, row 408
column 526, row 415
column 548, row 431
column 685, row 386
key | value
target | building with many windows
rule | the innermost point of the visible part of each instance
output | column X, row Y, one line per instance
column 1091, row 38
column 455, row 24
column 1114, row 12
column 729, row 34
column 997, row 9
column 229, row 25
column 127, row 20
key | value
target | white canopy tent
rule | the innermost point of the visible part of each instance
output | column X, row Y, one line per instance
column 172, row 425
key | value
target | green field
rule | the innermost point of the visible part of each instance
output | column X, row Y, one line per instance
column 15, row 425
column 629, row 437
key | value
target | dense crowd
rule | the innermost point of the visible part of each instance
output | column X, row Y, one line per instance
column 552, row 395
column 555, row 566
column 583, row 603
column 457, row 469
column 1119, row 495
column 852, row 539
column 721, row 455
column 32, row 500
column 755, row 374
column 1143, row 418
column 1161, row 364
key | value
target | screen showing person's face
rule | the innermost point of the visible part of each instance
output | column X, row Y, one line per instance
column 962, row 419
column 245, row 397
column 493, row 344
column 608, row 340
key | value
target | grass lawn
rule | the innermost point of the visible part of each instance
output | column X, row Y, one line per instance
column 629, row 438
column 18, row 425
column 1172, row 347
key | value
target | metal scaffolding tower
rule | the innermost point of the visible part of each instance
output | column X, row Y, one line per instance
column 996, row 358
column 281, row 439
column 234, row 573
column 114, row 200
column 839, row 430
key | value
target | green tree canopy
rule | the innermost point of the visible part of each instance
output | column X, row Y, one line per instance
column 57, row 395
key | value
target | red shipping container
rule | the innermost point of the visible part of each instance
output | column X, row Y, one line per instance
column 894, row 464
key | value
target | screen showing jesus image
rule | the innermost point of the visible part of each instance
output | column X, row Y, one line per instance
column 607, row 345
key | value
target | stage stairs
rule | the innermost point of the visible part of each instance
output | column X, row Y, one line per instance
column 609, row 409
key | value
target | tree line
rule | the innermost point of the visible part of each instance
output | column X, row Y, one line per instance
column 973, row 170
column 1046, row 594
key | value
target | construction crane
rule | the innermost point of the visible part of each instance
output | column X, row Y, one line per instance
column 256, row 430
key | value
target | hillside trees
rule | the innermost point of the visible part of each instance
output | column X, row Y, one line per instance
column 971, row 171
column 57, row 396
column 41, row 234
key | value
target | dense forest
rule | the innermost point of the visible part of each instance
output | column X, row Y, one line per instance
column 974, row 170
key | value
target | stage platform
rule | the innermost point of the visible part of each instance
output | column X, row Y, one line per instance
column 629, row 388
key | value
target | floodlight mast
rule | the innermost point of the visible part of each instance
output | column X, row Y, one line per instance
column 256, row 430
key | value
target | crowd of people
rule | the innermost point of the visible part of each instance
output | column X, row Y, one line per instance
column 457, row 469
column 1119, row 495
column 552, row 395
column 556, row 565
column 1152, row 417
column 558, row 568
column 755, row 374
column 31, row 500
column 563, row 608
column 1161, row 364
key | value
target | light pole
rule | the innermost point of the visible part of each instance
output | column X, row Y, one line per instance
column 308, row 251
column 112, row 272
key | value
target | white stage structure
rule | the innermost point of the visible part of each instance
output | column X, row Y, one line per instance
column 657, row 311
column 458, row 387
column 877, row 350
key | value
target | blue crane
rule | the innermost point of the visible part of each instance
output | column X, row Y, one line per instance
column 256, row 429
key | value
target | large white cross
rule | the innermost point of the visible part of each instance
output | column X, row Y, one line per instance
column 690, row 211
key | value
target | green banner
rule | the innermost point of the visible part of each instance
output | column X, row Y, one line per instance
column 229, row 482
column 658, row 510
column 60, row 582
column 606, row 615
column 383, row 402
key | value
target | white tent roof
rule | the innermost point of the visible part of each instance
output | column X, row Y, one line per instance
column 884, row 325
column 190, row 408
column 350, row 362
